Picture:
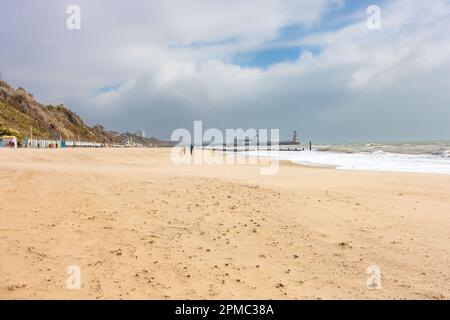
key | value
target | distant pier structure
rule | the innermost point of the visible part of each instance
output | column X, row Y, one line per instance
column 295, row 139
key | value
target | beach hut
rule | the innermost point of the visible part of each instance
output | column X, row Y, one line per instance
column 8, row 141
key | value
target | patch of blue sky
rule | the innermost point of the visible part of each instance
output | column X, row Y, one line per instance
column 335, row 18
column 265, row 58
column 106, row 89
column 283, row 47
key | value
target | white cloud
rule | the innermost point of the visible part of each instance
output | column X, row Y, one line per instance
column 361, row 78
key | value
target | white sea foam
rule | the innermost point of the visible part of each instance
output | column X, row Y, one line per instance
column 374, row 161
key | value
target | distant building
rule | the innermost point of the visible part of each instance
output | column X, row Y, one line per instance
column 140, row 133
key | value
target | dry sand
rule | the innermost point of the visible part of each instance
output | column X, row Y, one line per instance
column 139, row 226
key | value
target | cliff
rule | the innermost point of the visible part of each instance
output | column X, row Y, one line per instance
column 22, row 115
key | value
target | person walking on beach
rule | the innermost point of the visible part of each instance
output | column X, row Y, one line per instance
column 192, row 148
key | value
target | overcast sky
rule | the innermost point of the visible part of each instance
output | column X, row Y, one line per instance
column 310, row 65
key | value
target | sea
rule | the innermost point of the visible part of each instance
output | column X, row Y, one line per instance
column 419, row 157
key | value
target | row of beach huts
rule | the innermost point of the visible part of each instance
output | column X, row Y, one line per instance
column 13, row 142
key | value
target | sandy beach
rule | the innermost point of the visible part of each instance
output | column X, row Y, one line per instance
column 141, row 227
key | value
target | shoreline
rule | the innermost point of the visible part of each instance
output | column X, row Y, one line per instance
column 283, row 162
column 369, row 163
